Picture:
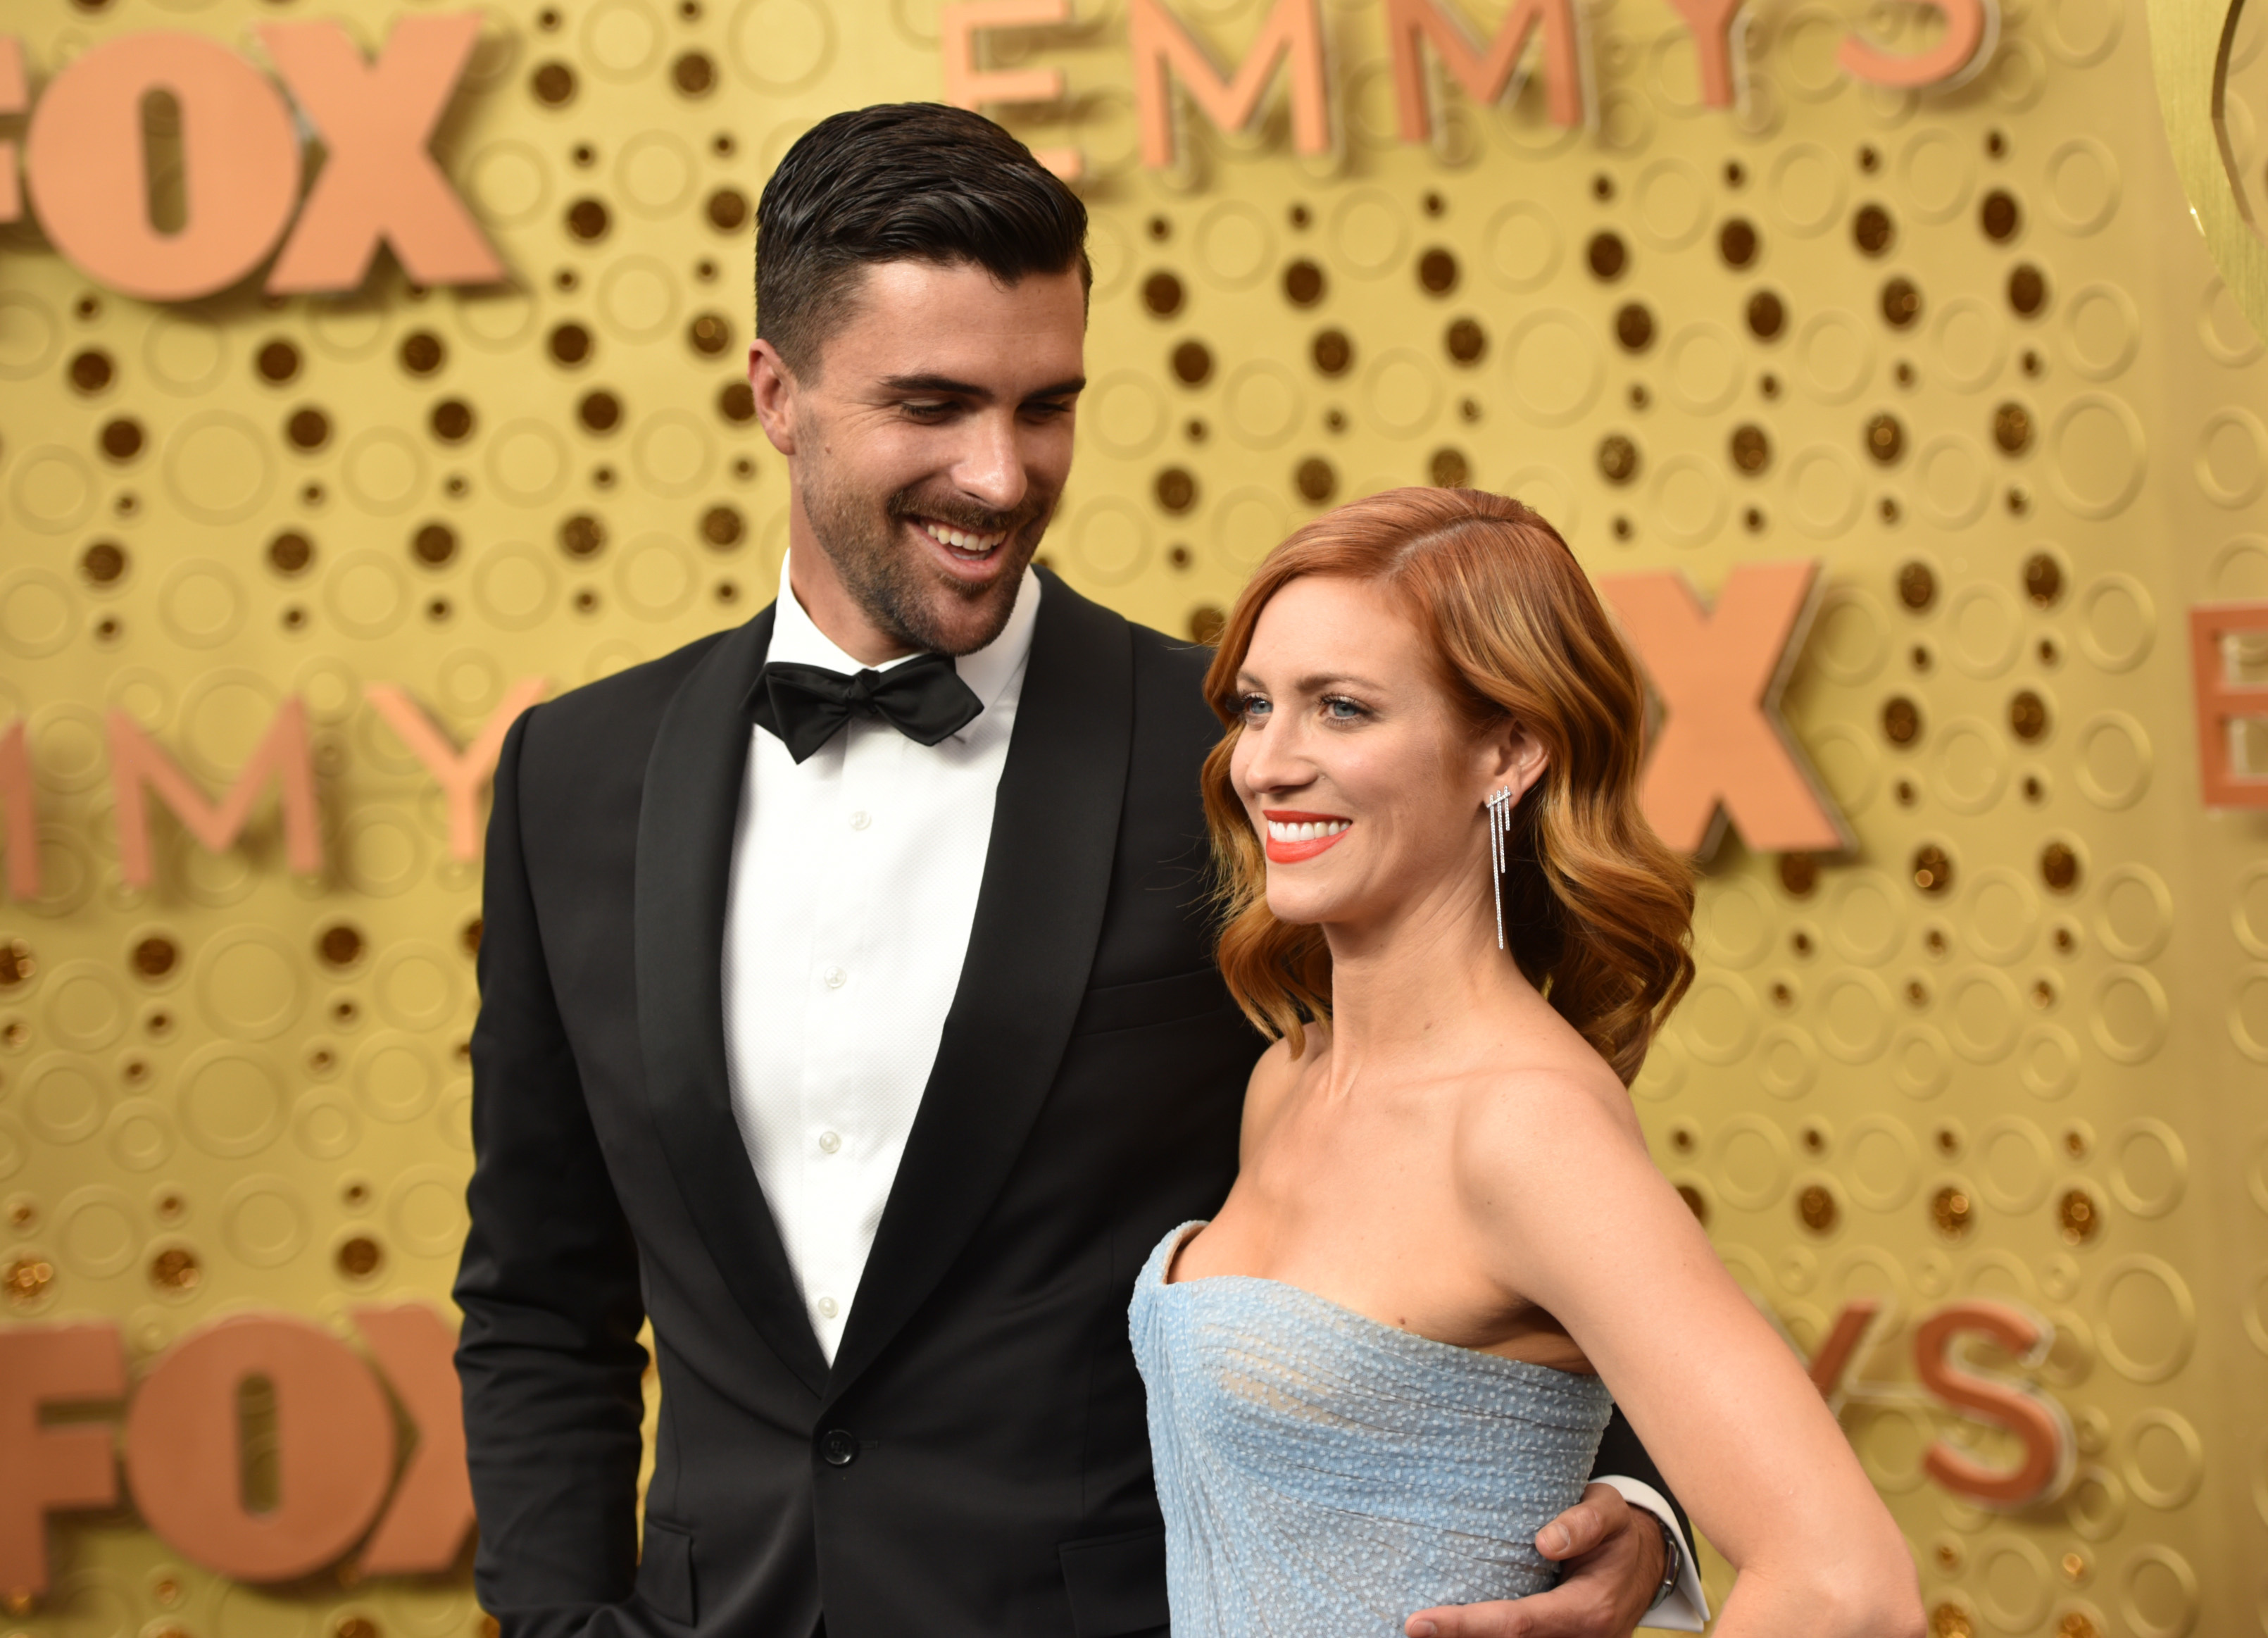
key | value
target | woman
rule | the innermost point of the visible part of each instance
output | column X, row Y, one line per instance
column 1387, row 1362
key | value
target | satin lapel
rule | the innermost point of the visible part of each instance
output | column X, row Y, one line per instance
column 1038, row 912
column 684, row 867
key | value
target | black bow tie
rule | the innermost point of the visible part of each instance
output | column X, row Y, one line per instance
column 924, row 700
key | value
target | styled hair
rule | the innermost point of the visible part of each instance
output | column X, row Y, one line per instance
column 901, row 181
column 1597, row 909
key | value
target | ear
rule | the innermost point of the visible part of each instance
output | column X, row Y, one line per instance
column 775, row 388
column 1513, row 756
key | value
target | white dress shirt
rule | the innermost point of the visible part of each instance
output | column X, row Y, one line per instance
column 854, row 883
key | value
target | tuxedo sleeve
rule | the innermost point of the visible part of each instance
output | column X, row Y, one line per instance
column 1623, row 1464
column 549, row 1356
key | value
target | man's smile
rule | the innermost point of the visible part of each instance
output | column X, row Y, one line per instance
column 974, row 559
column 962, row 542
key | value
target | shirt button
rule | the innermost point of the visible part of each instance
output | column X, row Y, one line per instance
column 860, row 820
column 827, row 1309
column 837, row 978
column 829, row 1142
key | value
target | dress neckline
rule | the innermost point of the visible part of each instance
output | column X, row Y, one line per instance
column 1481, row 1359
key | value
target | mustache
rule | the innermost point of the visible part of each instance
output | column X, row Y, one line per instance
column 958, row 514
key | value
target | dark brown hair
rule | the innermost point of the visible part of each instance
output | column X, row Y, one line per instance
column 1598, row 910
column 901, row 181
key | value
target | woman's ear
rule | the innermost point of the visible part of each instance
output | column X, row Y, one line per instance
column 1515, row 756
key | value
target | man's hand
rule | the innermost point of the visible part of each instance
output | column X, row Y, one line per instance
column 1612, row 1562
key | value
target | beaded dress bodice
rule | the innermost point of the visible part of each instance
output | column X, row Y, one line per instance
column 1324, row 1475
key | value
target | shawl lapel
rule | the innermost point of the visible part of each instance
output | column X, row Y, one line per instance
column 686, row 820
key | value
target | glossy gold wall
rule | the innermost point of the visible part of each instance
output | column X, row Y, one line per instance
column 1966, row 348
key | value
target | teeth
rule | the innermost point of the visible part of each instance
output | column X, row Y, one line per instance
column 962, row 540
column 1305, row 830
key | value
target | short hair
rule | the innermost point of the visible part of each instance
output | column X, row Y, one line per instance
column 1595, row 906
column 902, row 181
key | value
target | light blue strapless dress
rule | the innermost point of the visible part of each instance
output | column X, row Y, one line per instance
column 1326, row 1476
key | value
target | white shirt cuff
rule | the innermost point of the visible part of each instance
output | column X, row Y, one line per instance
column 1687, row 1609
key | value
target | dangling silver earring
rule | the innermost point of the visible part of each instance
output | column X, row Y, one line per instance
column 1499, row 825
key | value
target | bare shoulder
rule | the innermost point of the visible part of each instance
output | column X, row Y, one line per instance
column 1270, row 1085
column 1565, row 1116
column 1272, row 1077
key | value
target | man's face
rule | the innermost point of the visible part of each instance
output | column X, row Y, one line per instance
column 929, row 443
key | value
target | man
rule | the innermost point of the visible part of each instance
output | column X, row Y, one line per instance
column 847, row 1006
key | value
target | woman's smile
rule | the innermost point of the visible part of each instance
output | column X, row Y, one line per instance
column 1293, row 835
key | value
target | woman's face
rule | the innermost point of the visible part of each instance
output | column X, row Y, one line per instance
column 1366, row 787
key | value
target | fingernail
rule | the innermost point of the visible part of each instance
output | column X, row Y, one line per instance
column 1423, row 1630
column 1560, row 1539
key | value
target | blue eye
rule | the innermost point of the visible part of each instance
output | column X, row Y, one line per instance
column 1256, row 706
column 1342, row 710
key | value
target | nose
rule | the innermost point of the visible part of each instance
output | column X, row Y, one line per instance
column 990, row 471
column 1273, row 760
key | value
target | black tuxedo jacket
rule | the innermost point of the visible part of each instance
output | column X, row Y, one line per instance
column 975, row 1463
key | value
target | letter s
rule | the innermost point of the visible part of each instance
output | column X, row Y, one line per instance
column 2036, row 1420
column 1973, row 28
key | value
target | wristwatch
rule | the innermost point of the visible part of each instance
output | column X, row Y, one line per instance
column 1673, row 1560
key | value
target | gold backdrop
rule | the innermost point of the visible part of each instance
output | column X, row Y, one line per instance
column 1965, row 348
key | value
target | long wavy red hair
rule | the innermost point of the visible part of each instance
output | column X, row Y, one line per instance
column 1598, row 910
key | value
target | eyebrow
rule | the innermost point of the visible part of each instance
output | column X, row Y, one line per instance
column 946, row 385
column 1317, row 684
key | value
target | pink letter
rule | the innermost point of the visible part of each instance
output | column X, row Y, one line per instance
column 2222, row 705
column 968, row 86
column 379, row 180
column 432, row 1506
column 1483, row 79
column 2037, row 1421
column 13, row 95
column 19, row 803
column 1971, row 28
column 461, row 776
column 1162, row 47
column 1828, row 1365
column 84, row 155
column 333, row 1447
column 46, row 1468
column 1712, row 23
column 1718, row 676
column 134, row 761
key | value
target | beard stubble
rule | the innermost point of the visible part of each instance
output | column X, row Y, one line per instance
column 912, row 601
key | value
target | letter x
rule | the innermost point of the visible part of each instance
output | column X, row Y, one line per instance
column 1719, row 674
column 378, row 180
column 432, row 1512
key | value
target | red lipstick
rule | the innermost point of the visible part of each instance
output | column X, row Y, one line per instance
column 1294, row 851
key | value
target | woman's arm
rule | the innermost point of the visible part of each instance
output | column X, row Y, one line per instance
column 1570, row 1212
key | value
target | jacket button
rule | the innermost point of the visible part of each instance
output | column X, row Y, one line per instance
column 839, row 1447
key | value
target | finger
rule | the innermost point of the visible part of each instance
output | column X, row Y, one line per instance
column 1565, row 1611
column 1600, row 1513
column 1475, row 1620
